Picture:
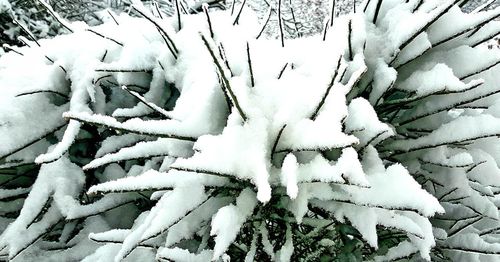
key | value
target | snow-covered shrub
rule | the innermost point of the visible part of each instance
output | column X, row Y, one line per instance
column 186, row 139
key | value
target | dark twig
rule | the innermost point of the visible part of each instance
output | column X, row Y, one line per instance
column 480, row 70
column 332, row 14
column 252, row 80
column 349, row 39
column 44, row 91
column 205, row 10
column 178, row 12
column 275, row 145
column 236, row 20
column 265, row 24
column 105, row 37
column 227, row 85
column 325, row 95
column 282, row 71
column 112, row 16
column 377, row 10
column 143, row 100
column 128, row 130
column 170, row 43
column 280, row 22
column 48, row 133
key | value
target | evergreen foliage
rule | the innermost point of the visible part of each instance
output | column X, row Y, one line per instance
column 186, row 138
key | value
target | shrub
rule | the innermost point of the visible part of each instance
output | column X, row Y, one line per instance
column 186, row 139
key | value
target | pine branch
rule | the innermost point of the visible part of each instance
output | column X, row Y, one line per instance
column 119, row 127
column 252, row 80
column 227, row 86
column 40, row 235
column 33, row 141
column 205, row 10
column 202, row 171
column 423, row 28
column 152, row 106
column 487, row 67
column 392, row 104
column 470, row 250
column 449, row 107
column 327, row 92
column 212, row 195
column 276, row 141
column 464, row 226
column 443, row 143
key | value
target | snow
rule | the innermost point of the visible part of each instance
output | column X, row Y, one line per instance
column 228, row 220
column 363, row 121
column 479, row 126
column 210, row 159
column 7, row 193
column 52, row 182
column 154, row 180
column 289, row 175
column 160, row 147
column 114, row 143
column 185, row 228
column 160, row 219
column 439, row 79
column 69, row 137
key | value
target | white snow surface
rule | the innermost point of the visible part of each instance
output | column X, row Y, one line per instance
column 248, row 128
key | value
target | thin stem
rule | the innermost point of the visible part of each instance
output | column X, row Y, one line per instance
column 349, row 39
column 143, row 100
column 50, row 132
column 227, row 85
column 276, row 141
column 43, row 91
column 119, row 127
column 112, row 16
column 179, row 22
column 265, row 24
column 170, row 43
column 105, row 37
column 205, row 10
column 330, row 85
column 236, row 20
column 332, row 14
column 282, row 71
column 377, row 10
column 280, row 22
column 252, row 80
